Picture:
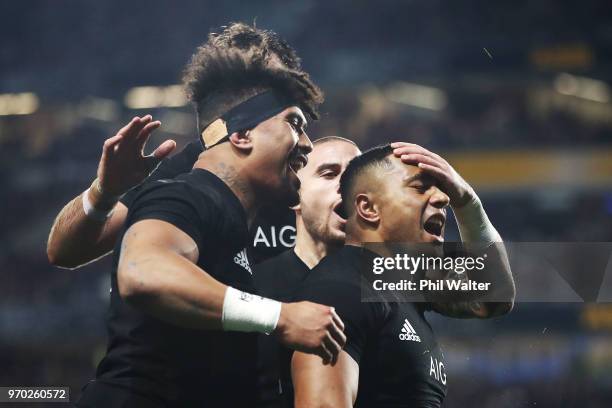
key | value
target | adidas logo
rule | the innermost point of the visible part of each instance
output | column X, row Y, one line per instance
column 408, row 332
column 241, row 259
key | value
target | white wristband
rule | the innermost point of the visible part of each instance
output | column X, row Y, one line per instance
column 91, row 211
column 474, row 224
column 249, row 313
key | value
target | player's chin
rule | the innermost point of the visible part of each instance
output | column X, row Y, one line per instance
column 334, row 236
column 434, row 243
column 337, row 237
column 431, row 239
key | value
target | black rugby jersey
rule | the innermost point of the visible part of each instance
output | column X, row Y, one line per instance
column 177, row 366
column 273, row 230
column 275, row 278
column 168, row 168
column 400, row 362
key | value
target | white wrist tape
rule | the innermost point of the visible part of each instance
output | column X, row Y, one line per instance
column 91, row 211
column 249, row 313
column 473, row 223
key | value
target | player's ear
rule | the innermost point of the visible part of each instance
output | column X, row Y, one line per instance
column 296, row 208
column 366, row 208
column 242, row 140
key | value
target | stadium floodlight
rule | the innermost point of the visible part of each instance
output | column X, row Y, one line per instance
column 582, row 87
column 23, row 103
column 144, row 97
column 417, row 95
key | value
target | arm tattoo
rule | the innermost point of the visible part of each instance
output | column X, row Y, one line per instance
column 459, row 308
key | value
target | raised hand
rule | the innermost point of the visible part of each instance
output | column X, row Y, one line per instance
column 123, row 165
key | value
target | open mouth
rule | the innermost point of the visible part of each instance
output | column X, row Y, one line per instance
column 434, row 225
column 339, row 210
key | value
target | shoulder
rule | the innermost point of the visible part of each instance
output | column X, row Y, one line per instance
column 168, row 168
column 183, row 161
column 274, row 263
column 179, row 202
column 334, row 271
column 196, row 185
column 273, row 277
column 331, row 283
column 176, row 190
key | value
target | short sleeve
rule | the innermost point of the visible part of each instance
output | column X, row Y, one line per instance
column 361, row 319
column 176, row 203
column 168, row 168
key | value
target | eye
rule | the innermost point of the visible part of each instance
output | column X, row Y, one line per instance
column 296, row 125
column 329, row 174
column 420, row 187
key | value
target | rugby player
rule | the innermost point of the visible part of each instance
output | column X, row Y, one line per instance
column 394, row 193
column 181, row 282
column 89, row 225
column 319, row 231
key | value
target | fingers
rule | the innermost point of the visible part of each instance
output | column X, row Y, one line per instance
column 128, row 127
column 415, row 158
column 401, row 148
column 333, row 347
column 132, row 129
column 164, row 149
column 415, row 149
column 338, row 328
column 145, row 132
column 434, row 171
column 108, row 148
column 337, row 319
column 325, row 354
column 334, row 339
column 132, row 135
column 339, row 336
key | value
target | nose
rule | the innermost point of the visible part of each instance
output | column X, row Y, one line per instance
column 304, row 143
column 439, row 199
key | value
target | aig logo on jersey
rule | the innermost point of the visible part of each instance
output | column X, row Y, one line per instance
column 408, row 333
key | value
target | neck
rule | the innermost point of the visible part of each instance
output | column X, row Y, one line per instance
column 358, row 233
column 225, row 164
column 309, row 249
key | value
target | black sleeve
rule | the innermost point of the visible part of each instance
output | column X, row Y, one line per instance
column 176, row 203
column 168, row 168
column 361, row 319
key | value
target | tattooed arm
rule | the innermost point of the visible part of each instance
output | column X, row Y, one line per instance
column 75, row 238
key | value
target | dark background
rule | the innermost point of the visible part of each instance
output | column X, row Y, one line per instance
column 516, row 94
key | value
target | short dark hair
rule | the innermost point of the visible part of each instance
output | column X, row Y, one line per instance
column 223, row 73
column 371, row 159
column 326, row 139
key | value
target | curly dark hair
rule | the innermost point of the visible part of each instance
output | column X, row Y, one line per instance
column 265, row 42
column 232, row 67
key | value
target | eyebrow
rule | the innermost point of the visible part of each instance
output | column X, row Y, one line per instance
column 425, row 178
column 413, row 178
column 325, row 166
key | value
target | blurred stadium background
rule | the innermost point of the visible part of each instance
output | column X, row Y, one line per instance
column 516, row 94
